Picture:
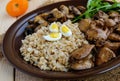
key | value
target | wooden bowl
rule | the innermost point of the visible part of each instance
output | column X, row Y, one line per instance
column 12, row 43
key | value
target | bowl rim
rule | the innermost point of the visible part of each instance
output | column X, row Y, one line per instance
column 47, row 74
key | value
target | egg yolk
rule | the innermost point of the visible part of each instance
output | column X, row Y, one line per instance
column 54, row 26
column 65, row 29
column 54, row 35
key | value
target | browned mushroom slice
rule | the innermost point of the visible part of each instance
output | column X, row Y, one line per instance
column 117, row 19
column 81, row 8
column 118, row 28
column 70, row 16
column 82, row 65
column 110, row 22
column 48, row 17
column 63, row 19
column 64, row 9
column 84, row 24
column 85, row 63
column 74, row 10
column 113, row 13
column 100, row 23
column 97, row 33
column 112, row 45
column 104, row 55
column 82, row 52
column 45, row 15
column 53, row 19
column 41, row 21
column 56, row 13
column 101, row 14
column 114, row 37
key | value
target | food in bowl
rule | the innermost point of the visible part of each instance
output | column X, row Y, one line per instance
column 48, row 54
column 53, row 42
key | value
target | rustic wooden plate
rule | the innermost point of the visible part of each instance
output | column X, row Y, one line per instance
column 12, row 43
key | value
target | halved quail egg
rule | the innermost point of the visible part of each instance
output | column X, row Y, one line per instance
column 53, row 36
column 53, row 27
column 65, row 30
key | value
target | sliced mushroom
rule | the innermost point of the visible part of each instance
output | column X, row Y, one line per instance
column 49, row 17
column 84, row 24
column 110, row 22
column 93, row 24
column 53, row 19
column 82, row 52
column 97, row 33
column 82, row 65
column 114, row 37
column 117, row 19
column 100, row 23
column 74, row 10
column 113, row 13
column 64, row 9
column 37, row 18
column 118, row 28
column 101, row 14
column 46, row 15
column 63, row 19
column 112, row 45
column 41, row 21
column 37, row 28
column 56, row 13
column 104, row 55
column 70, row 16
column 85, row 63
column 81, row 8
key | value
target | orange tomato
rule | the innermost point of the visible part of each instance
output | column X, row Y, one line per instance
column 17, row 7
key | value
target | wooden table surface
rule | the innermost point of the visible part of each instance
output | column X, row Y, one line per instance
column 8, row 73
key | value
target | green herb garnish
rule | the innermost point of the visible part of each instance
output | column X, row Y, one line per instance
column 93, row 6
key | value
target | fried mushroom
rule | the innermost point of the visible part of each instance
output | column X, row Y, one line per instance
column 97, row 35
column 113, row 13
column 118, row 28
column 110, row 22
column 117, row 19
column 82, row 52
column 64, row 9
column 84, row 24
column 81, row 8
column 74, row 10
column 56, row 13
column 40, row 20
column 101, row 14
column 114, row 37
column 104, row 55
column 84, row 63
column 112, row 45
column 70, row 16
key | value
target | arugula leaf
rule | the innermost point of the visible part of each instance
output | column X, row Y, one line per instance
column 88, row 3
column 93, row 6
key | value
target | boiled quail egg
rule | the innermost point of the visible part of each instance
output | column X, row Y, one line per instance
column 53, row 36
column 53, row 27
column 65, row 30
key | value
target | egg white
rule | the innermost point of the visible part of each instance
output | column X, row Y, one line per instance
column 49, row 38
column 66, row 34
column 51, row 27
